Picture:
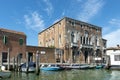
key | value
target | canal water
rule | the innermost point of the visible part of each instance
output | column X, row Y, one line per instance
column 99, row 74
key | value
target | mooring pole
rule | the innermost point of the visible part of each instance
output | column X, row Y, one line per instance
column 1, row 59
column 27, row 62
column 37, row 62
column 8, row 59
column 13, row 63
column 16, row 63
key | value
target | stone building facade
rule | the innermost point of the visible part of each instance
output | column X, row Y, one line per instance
column 80, row 41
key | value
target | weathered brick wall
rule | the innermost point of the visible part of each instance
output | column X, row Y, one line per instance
column 48, row 57
column 12, row 42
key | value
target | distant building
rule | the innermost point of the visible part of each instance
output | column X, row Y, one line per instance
column 80, row 41
column 113, row 57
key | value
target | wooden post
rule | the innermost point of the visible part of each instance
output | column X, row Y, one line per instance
column 27, row 62
column 16, row 63
column 8, row 59
column 1, row 59
column 13, row 63
column 61, row 56
column 37, row 62
column 19, row 61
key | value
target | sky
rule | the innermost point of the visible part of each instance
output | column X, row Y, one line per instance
column 33, row 16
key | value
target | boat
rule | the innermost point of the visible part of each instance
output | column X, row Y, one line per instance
column 51, row 67
column 71, row 66
column 76, row 66
column 31, row 67
column 99, row 66
column 4, row 73
column 91, row 67
column 84, row 66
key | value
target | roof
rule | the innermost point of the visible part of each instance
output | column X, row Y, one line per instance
column 113, row 48
column 12, row 31
column 71, row 19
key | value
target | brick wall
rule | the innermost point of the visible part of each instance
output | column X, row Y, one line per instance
column 47, row 55
column 12, row 44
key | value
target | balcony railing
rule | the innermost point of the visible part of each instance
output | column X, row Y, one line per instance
column 87, row 46
column 74, row 45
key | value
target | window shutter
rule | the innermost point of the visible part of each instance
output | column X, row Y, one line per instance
column 21, row 41
column 4, row 39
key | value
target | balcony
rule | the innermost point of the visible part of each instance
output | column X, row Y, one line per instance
column 74, row 45
column 87, row 46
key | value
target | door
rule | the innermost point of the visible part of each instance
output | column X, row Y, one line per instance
column 4, row 56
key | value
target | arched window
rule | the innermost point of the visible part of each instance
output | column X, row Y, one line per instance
column 86, row 37
column 86, row 33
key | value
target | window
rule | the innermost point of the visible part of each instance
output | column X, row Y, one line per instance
column 4, row 56
column 21, row 41
column 72, row 36
column 5, row 39
column 117, row 57
column 81, row 40
column 59, row 40
column 19, row 56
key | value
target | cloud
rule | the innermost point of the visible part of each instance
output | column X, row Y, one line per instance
column 113, row 37
column 49, row 8
column 34, row 21
column 115, row 22
column 89, row 9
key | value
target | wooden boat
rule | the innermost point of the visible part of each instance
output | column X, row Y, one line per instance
column 99, row 66
column 5, row 74
column 51, row 67
column 76, row 66
column 71, row 66
column 91, row 67
column 31, row 67
column 84, row 66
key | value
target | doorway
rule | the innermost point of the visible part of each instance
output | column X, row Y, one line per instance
column 30, row 57
column 4, row 56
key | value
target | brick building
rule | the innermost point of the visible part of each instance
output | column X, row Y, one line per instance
column 12, row 44
column 80, row 41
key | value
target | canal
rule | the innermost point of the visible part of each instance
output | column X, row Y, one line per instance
column 68, row 75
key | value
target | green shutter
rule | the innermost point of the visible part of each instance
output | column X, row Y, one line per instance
column 21, row 41
column 4, row 39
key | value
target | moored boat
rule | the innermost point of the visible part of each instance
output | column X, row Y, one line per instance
column 84, row 66
column 99, row 66
column 31, row 67
column 51, row 67
column 4, row 73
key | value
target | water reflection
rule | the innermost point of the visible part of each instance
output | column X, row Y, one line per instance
column 68, row 75
column 115, row 75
